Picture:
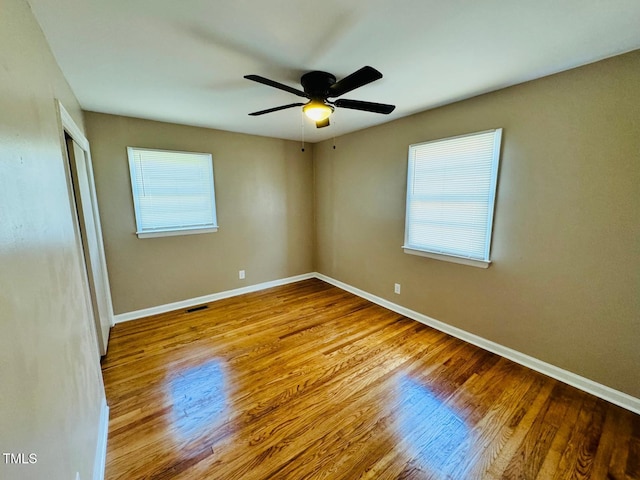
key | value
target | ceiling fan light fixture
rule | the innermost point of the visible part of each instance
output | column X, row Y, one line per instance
column 317, row 111
column 319, row 87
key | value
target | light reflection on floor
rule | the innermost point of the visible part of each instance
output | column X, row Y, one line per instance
column 430, row 429
column 199, row 399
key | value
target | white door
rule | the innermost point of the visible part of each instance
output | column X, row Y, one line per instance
column 91, row 233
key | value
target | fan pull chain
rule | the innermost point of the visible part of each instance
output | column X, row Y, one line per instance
column 302, row 118
column 333, row 128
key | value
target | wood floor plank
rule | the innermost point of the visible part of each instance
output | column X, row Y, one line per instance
column 307, row 381
column 564, row 428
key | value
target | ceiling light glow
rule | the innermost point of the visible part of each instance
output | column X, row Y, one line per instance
column 317, row 111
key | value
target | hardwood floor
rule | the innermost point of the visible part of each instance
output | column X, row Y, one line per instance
column 307, row 381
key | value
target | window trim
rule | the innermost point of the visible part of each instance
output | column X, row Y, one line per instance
column 448, row 258
column 495, row 167
column 176, row 232
column 172, row 231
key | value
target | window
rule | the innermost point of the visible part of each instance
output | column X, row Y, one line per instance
column 451, row 186
column 173, row 192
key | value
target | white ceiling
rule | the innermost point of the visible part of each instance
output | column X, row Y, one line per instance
column 183, row 61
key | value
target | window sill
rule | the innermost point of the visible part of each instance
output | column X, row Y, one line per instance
column 448, row 258
column 173, row 233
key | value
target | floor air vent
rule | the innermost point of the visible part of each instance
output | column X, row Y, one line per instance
column 195, row 309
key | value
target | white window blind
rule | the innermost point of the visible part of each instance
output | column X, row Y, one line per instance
column 173, row 192
column 451, row 187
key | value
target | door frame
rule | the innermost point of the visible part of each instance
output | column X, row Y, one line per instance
column 69, row 127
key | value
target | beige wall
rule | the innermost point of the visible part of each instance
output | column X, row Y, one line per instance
column 565, row 283
column 264, row 204
column 50, row 384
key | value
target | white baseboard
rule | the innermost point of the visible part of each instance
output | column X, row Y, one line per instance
column 191, row 302
column 602, row 391
column 100, row 461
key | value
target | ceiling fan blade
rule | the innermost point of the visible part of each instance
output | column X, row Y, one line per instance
column 365, row 106
column 275, row 109
column 322, row 123
column 357, row 79
column 274, row 84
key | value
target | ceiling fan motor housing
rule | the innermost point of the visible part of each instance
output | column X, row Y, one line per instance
column 316, row 84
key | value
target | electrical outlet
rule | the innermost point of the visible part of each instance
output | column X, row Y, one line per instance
column 241, row 274
column 396, row 288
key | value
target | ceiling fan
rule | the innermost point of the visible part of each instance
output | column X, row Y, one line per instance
column 319, row 87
